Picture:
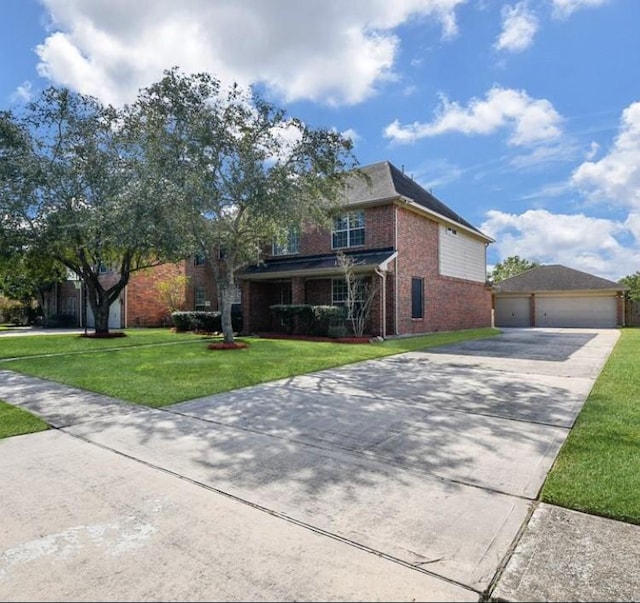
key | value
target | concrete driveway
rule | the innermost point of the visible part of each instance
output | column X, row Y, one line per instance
column 405, row 478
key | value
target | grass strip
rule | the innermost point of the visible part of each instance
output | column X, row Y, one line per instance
column 16, row 421
column 598, row 468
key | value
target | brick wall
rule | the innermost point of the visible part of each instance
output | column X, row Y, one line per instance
column 378, row 232
column 449, row 303
column 144, row 306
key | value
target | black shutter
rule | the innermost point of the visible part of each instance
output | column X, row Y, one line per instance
column 417, row 305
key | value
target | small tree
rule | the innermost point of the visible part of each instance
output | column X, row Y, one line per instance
column 171, row 291
column 510, row 267
column 360, row 295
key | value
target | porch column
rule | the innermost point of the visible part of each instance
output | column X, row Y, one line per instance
column 297, row 290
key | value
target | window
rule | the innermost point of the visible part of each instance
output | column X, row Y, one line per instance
column 340, row 292
column 200, row 299
column 289, row 246
column 348, row 230
column 237, row 294
column 199, row 259
column 417, row 298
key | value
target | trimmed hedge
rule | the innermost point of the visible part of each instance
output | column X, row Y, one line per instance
column 209, row 322
column 307, row 319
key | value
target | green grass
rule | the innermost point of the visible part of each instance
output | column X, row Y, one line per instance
column 15, row 421
column 160, row 375
column 598, row 468
column 34, row 345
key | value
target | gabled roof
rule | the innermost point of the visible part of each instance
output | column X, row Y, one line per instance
column 554, row 277
column 385, row 181
column 317, row 265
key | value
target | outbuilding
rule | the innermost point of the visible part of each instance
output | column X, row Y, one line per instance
column 557, row 296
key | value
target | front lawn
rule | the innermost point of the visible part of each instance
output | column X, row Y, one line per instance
column 35, row 345
column 598, row 468
column 158, row 375
column 16, row 421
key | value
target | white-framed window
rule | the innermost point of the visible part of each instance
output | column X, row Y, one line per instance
column 237, row 294
column 289, row 246
column 200, row 299
column 340, row 292
column 348, row 230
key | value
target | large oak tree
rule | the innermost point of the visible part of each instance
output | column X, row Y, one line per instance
column 76, row 187
column 241, row 171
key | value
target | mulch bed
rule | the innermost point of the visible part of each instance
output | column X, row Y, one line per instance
column 221, row 345
column 109, row 335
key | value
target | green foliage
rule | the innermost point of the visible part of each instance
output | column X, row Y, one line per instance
column 510, row 267
column 208, row 322
column 632, row 282
column 307, row 319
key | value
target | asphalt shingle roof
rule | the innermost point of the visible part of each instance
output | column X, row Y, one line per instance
column 385, row 181
column 554, row 277
column 323, row 263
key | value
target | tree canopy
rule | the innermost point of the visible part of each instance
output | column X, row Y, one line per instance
column 632, row 282
column 511, row 266
column 187, row 168
column 241, row 171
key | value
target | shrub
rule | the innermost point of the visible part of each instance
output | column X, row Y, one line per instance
column 197, row 321
column 210, row 322
column 307, row 319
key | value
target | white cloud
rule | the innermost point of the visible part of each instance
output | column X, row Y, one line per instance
column 574, row 240
column 331, row 51
column 616, row 177
column 593, row 150
column 565, row 8
column 519, row 26
column 23, row 93
column 529, row 120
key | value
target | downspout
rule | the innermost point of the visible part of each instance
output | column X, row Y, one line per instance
column 126, row 306
column 383, row 301
column 395, row 293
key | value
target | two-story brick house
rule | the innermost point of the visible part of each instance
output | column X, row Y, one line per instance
column 429, row 263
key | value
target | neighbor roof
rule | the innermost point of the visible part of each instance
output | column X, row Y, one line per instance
column 554, row 277
column 385, row 181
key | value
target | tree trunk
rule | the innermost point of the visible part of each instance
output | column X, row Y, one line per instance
column 228, row 293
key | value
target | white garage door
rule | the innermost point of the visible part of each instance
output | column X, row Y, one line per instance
column 512, row 312
column 587, row 312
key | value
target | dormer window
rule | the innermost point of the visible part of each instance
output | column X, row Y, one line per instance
column 348, row 230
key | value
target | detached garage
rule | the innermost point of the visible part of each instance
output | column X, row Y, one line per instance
column 557, row 296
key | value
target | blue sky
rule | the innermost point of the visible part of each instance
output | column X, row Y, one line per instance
column 522, row 116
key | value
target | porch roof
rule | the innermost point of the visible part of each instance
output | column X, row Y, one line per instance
column 317, row 265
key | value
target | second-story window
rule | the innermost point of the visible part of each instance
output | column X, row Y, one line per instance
column 288, row 246
column 348, row 230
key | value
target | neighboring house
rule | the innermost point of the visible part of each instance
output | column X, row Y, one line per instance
column 426, row 261
column 557, row 296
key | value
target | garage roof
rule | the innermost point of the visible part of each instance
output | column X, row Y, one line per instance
column 554, row 277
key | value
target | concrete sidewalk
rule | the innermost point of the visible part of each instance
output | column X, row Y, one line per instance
column 413, row 477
